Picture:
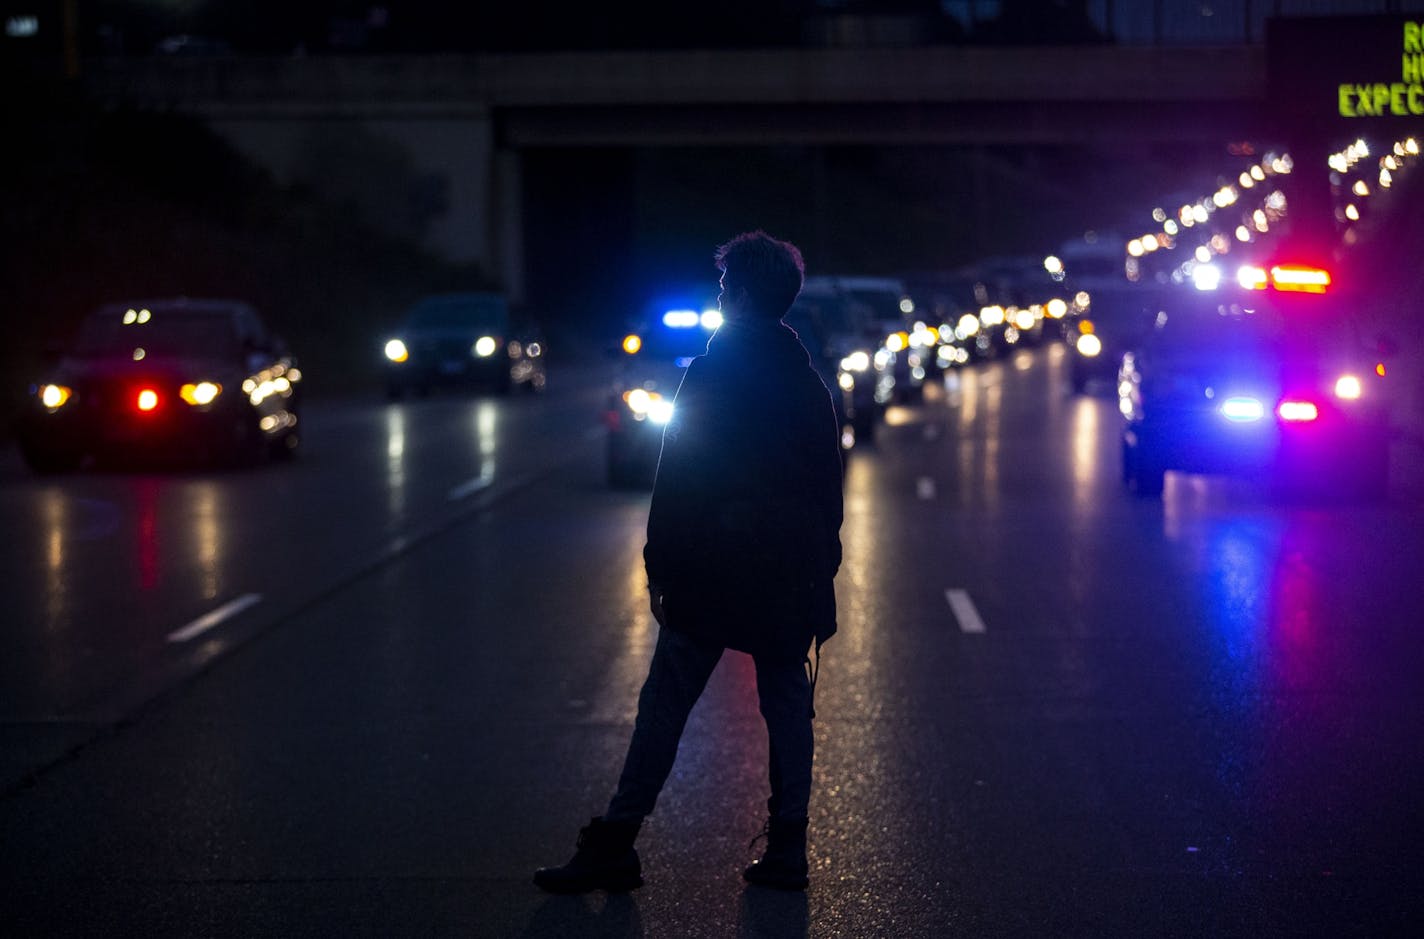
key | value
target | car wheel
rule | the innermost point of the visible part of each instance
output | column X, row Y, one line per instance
column 616, row 467
column 1371, row 482
column 864, row 426
column 50, row 462
column 1142, row 470
column 245, row 446
column 284, row 447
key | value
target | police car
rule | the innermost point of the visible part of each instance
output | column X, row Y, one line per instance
column 1267, row 375
column 164, row 379
column 651, row 360
column 843, row 323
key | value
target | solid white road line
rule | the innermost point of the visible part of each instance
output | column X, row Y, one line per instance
column 925, row 487
column 964, row 611
column 208, row 620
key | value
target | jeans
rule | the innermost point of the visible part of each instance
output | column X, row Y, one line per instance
column 678, row 674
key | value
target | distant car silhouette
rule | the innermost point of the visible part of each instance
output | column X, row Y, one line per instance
column 165, row 378
column 463, row 340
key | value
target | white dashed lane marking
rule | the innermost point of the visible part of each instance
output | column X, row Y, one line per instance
column 208, row 620
column 964, row 612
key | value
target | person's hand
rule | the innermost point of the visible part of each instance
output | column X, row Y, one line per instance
column 655, row 598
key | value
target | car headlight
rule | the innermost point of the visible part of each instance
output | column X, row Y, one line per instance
column 648, row 405
column 1089, row 345
column 204, row 392
column 484, row 347
column 396, row 351
column 55, row 396
column 846, row 380
column 855, row 362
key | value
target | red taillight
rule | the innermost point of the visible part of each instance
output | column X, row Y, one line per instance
column 1297, row 411
column 147, row 399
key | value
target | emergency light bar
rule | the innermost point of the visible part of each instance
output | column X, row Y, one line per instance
column 1287, row 277
column 1306, row 279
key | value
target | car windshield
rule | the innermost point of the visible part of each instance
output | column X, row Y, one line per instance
column 826, row 317
column 880, row 305
column 472, row 311
column 158, row 332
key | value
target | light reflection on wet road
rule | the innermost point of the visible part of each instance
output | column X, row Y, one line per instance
column 1190, row 717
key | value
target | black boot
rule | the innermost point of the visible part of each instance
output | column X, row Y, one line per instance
column 783, row 864
column 604, row 860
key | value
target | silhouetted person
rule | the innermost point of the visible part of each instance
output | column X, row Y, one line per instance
column 743, row 547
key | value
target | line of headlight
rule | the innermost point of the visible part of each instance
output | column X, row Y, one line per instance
column 200, row 393
column 277, row 380
column 397, row 351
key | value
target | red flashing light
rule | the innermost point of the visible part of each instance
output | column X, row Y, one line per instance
column 1300, row 278
column 1297, row 412
column 1289, row 277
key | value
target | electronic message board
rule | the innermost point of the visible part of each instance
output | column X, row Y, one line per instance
column 1347, row 76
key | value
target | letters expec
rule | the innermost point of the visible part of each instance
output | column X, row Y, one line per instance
column 1404, row 98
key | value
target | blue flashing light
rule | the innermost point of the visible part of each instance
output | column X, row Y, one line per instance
column 681, row 319
column 1242, row 409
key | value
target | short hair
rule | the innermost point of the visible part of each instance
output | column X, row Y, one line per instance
column 769, row 270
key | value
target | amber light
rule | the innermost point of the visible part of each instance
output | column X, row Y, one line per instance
column 147, row 399
column 1303, row 279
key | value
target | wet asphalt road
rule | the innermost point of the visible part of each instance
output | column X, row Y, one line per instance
column 1053, row 709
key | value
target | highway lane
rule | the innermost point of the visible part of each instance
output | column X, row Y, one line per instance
column 111, row 577
column 1052, row 709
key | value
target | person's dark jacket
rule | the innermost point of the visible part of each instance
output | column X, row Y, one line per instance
column 744, row 528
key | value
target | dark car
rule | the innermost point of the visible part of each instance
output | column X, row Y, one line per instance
column 466, row 340
column 161, row 379
column 1105, row 324
column 844, row 333
column 1270, row 381
column 650, row 362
